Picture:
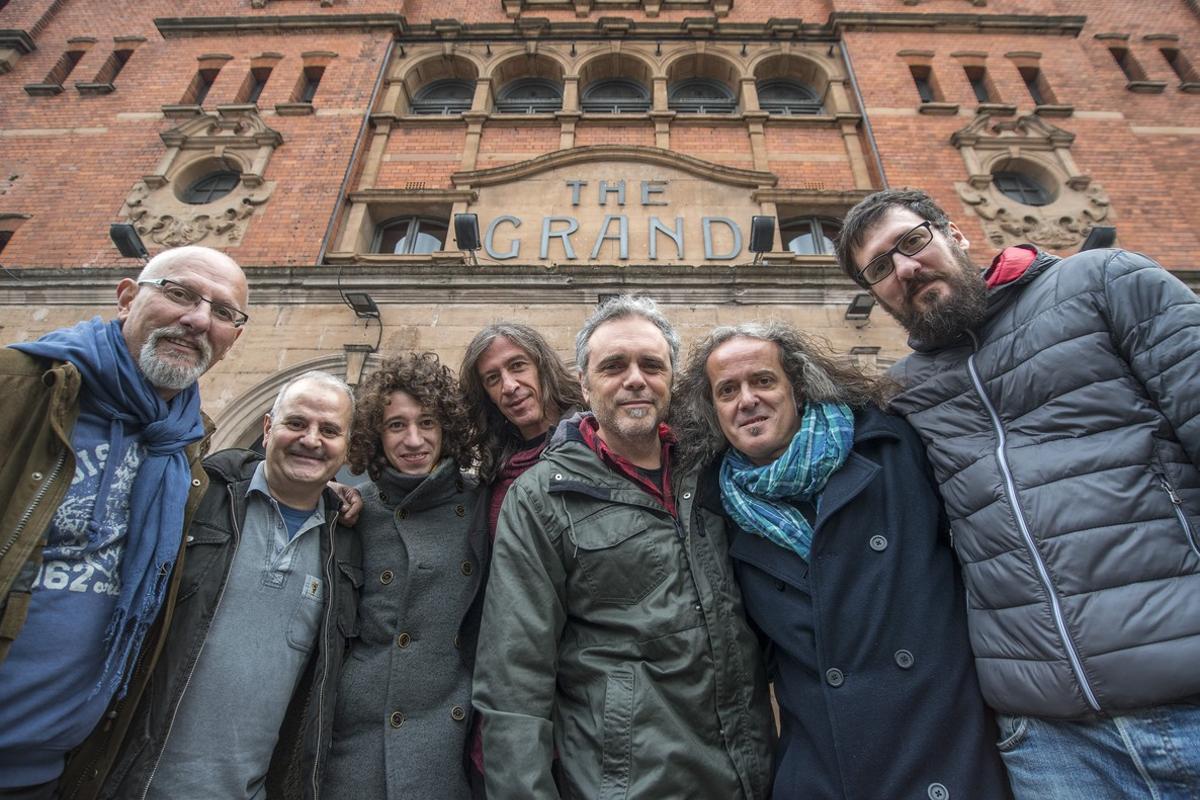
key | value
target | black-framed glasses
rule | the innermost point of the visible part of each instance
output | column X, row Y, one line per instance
column 909, row 244
column 184, row 297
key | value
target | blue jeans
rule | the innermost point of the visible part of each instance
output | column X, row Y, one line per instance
column 1153, row 753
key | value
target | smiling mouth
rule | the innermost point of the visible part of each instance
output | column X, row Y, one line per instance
column 753, row 421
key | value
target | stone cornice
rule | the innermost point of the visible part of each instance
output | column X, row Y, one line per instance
column 170, row 27
column 17, row 40
column 414, row 196
column 407, row 283
column 842, row 21
column 610, row 152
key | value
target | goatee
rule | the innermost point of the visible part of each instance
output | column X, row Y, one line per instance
column 959, row 307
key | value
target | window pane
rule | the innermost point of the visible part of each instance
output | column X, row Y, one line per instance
column 212, row 186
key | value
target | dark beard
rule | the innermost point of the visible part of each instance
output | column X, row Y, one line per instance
column 958, row 309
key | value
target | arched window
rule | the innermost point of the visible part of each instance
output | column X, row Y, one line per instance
column 408, row 235
column 529, row 96
column 1021, row 187
column 810, row 236
column 701, row 96
column 782, row 96
column 616, row 96
column 211, row 186
column 449, row 96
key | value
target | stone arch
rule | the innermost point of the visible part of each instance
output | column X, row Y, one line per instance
column 632, row 66
column 240, row 423
column 526, row 65
column 439, row 67
column 691, row 64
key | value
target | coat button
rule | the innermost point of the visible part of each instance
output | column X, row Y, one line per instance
column 396, row 719
column 467, row 568
column 195, row 481
column 383, row 497
column 687, row 495
column 878, row 543
column 402, row 514
column 190, row 538
column 904, row 659
column 460, row 511
column 458, row 713
column 938, row 792
column 558, row 476
column 403, row 640
column 386, row 576
column 780, row 586
column 456, row 641
column 834, row 677
column 37, row 476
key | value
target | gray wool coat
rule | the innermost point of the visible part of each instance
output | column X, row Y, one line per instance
column 403, row 714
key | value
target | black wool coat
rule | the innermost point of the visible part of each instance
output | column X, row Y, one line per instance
column 867, row 644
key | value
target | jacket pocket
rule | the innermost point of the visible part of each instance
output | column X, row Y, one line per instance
column 618, row 557
column 1177, row 504
column 304, row 626
column 206, row 549
column 1012, row 732
column 615, row 760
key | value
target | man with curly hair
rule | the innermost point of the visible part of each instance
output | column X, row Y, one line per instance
column 842, row 552
column 404, row 709
column 613, row 632
column 517, row 389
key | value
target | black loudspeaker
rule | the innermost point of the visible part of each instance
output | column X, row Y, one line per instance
column 466, row 231
column 1098, row 237
column 762, row 234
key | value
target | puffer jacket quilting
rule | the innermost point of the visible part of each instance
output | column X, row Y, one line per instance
column 1073, row 483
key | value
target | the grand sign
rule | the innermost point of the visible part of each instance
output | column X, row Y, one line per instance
column 634, row 205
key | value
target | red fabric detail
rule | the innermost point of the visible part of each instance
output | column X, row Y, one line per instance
column 509, row 472
column 589, row 428
column 1009, row 264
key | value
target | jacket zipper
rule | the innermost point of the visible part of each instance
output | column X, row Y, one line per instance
column 192, row 670
column 1031, row 546
column 1183, row 520
column 330, row 578
column 37, row 498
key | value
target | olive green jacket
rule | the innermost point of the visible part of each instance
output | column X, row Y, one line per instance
column 37, row 464
column 613, row 634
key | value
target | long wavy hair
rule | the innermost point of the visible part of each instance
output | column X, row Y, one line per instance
column 496, row 439
column 433, row 386
column 808, row 362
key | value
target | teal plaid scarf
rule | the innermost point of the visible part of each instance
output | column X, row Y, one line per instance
column 759, row 499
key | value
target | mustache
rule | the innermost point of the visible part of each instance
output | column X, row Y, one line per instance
column 917, row 282
column 183, row 334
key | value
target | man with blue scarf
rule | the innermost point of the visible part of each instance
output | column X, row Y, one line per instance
column 840, row 547
column 103, row 434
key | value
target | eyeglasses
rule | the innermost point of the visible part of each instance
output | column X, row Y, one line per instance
column 909, row 244
column 184, row 297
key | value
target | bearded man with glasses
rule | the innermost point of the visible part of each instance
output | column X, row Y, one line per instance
column 100, row 473
column 1059, row 403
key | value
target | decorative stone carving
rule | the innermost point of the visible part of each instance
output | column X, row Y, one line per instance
column 233, row 139
column 1032, row 146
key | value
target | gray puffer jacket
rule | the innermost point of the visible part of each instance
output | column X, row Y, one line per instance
column 1065, row 434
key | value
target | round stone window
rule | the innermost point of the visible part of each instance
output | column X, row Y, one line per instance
column 211, row 186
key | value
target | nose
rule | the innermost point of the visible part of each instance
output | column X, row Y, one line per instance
column 412, row 437
column 198, row 318
column 905, row 266
column 310, row 437
column 634, row 379
column 747, row 398
column 508, row 384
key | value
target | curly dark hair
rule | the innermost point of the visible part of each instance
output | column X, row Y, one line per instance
column 809, row 363
column 496, row 438
column 433, row 386
column 860, row 219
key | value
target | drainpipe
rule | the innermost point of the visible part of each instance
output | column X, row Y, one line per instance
column 863, row 107
column 356, row 152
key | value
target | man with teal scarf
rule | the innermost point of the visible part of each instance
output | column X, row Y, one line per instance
column 104, row 432
column 840, row 547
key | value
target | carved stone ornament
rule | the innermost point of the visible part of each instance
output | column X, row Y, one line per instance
column 1031, row 146
column 234, row 139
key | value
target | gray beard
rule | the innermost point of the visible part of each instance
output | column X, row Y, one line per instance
column 166, row 375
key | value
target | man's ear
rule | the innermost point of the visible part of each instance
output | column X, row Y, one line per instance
column 584, row 387
column 266, row 429
column 958, row 237
column 127, row 289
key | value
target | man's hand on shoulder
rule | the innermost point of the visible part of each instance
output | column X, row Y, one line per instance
column 352, row 502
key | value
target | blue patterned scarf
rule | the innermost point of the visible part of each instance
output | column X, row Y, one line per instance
column 115, row 389
column 751, row 495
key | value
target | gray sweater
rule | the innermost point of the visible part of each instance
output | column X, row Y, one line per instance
column 403, row 709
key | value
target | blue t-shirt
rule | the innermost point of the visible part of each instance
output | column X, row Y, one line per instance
column 50, row 698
